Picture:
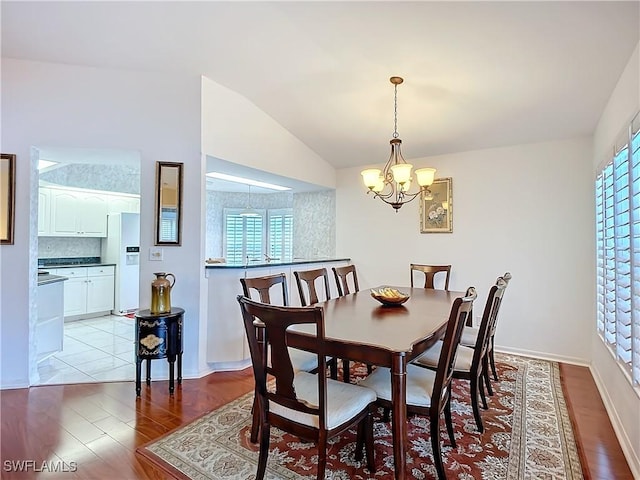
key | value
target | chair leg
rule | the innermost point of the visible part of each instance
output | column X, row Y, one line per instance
column 493, row 362
column 369, row 369
column 255, row 422
column 333, row 368
column 474, row 400
column 264, row 450
column 435, row 445
column 485, row 373
column 368, row 443
column 346, row 376
column 386, row 414
column 449, row 422
column 322, row 454
column 481, row 383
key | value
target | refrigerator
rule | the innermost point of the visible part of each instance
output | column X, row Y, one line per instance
column 122, row 248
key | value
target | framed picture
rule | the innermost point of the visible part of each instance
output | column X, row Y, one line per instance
column 7, row 197
column 436, row 207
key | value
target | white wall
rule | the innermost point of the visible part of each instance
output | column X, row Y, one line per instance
column 623, row 404
column 68, row 106
column 526, row 209
column 234, row 129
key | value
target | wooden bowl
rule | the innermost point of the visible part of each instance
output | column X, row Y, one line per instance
column 389, row 301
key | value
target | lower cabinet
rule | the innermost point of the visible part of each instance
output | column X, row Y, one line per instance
column 227, row 347
column 89, row 290
column 49, row 328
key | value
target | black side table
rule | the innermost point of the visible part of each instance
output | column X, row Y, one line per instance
column 159, row 336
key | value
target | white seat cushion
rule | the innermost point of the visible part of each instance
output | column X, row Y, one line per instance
column 419, row 384
column 344, row 401
column 469, row 336
column 431, row 357
column 301, row 360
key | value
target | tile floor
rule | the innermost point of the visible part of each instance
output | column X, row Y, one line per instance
column 97, row 349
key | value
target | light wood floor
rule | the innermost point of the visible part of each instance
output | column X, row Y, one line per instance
column 99, row 426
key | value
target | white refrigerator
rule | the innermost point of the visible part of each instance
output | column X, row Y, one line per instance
column 122, row 247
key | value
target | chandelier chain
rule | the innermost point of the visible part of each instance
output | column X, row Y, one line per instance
column 395, row 111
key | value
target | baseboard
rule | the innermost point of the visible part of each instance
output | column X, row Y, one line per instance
column 13, row 386
column 625, row 443
column 543, row 356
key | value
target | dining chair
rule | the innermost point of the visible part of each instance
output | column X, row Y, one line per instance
column 472, row 363
column 429, row 391
column 430, row 272
column 306, row 282
column 301, row 360
column 470, row 333
column 341, row 275
column 310, row 406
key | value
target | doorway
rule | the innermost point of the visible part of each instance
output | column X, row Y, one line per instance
column 84, row 196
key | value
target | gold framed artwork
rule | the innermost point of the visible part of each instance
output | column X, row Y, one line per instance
column 436, row 207
column 7, row 197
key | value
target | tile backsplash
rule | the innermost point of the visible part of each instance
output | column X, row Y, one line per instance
column 67, row 247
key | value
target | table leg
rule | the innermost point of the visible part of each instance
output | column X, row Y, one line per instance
column 138, row 375
column 172, row 362
column 399, row 409
column 148, row 371
column 179, row 369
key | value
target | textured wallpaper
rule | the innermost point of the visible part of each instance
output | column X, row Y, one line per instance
column 313, row 219
column 68, row 247
column 112, row 178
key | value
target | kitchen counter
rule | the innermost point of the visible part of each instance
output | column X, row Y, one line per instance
column 69, row 265
column 274, row 263
column 48, row 278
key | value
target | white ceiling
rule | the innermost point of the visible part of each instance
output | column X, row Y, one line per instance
column 477, row 74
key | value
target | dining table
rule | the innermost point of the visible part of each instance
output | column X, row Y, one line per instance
column 359, row 328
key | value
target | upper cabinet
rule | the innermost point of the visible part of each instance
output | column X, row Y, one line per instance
column 68, row 212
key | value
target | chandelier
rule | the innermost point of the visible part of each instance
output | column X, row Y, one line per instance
column 392, row 185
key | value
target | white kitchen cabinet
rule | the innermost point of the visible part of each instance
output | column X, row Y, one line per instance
column 123, row 203
column 49, row 328
column 77, row 213
column 227, row 347
column 89, row 290
column 44, row 211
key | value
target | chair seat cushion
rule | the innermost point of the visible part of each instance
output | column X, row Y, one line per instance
column 344, row 401
column 430, row 358
column 419, row 384
column 469, row 336
column 301, row 360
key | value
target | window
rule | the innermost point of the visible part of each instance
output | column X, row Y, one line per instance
column 246, row 238
column 168, row 223
column 617, row 191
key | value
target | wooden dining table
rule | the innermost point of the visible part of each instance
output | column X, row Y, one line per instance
column 359, row 328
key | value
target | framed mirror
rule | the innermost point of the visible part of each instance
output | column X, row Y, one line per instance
column 8, row 197
column 168, row 203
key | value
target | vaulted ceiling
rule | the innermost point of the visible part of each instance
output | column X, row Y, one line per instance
column 477, row 74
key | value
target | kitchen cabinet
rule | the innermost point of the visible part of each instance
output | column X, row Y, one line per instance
column 75, row 213
column 123, row 203
column 49, row 328
column 89, row 290
column 227, row 347
column 44, row 211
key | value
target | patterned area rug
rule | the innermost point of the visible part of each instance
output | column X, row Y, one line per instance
column 527, row 435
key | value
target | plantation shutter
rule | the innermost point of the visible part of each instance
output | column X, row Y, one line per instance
column 243, row 237
column 281, row 234
column 168, row 225
column 600, row 256
column 635, row 176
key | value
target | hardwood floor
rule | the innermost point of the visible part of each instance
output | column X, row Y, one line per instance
column 99, row 426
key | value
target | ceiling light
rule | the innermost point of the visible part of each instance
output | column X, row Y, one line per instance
column 246, row 181
column 392, row 184
column 249, row 211
column 42, row 164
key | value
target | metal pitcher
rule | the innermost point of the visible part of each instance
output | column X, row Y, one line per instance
column 161, row 293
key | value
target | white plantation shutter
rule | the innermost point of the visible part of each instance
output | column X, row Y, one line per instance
column 617, row 191
column 281, row 234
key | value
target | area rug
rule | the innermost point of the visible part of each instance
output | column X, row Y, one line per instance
column 527, row 435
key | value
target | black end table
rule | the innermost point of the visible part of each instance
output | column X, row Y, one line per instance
column 159, row 336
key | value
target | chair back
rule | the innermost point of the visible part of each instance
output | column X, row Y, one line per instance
column 263, row 286
column 460, row 310
column 494, row 323
column 429, row 273
column 276, row 321
column 489, row 319
column 342, row 282
column 307, row 281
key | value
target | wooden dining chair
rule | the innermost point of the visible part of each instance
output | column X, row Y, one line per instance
column 310, row 406
column 306, row 282
column 470, row 334
column 341, row 275
column 430, row 272
column 472, row 363
column 428, row 391
column 302, row 361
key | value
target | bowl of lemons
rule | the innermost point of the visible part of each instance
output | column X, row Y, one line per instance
column 389, row 296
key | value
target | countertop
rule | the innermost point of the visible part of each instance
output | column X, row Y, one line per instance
column 48, row 278
column 263, row 264
column 74, row 265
